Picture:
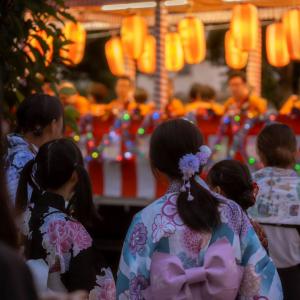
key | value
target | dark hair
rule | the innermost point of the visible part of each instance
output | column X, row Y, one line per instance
column 238, row 74
column 38, row 111
column 234, row 180
column 207, row 93
column 53, row 167
column 8, row 230
column 195, row 91
column 141, row 95
column 125, row 77
column 171, row 141
column 277, row 145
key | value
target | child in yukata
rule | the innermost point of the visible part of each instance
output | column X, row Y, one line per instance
column 57, row 222
column 192, row 243
column 278, row 203
column 39, row 120
column 233, row 180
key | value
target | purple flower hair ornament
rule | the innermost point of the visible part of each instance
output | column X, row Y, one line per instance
column 190, row 164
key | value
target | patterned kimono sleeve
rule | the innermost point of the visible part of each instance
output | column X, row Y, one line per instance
column 13, row 172
column 73, row 256
column 134, row 268
column 260, row 279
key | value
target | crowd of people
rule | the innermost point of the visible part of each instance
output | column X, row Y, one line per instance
column 202, row 100
column 231, row 235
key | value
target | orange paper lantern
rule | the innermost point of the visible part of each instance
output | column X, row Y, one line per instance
column 147, row 61
column 35, row 43
column 291, row 23
column 192, row 34
column 134, row 33
column 276, row 44
column 234, row 57
column 115, row 57
column 244, row 26
column 174, row 52
column 74, row 52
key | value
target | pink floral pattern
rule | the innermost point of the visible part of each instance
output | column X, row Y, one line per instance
column 169, row 209
column 251, row 282
column 105, row 288
column 194, row 241
column 162, row 227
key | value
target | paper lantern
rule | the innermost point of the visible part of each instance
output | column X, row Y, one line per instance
column 192, row 34
column 35, row 43
column 291, row 23
column 115, row 57
column 74, row 52
column 174, row 52
column 147, row 61
column 234, row 57
column 244, row 26
column 276, row 45
column 133, row 34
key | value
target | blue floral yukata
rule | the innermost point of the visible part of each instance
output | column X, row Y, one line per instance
column 159, row 228
column 19, row 153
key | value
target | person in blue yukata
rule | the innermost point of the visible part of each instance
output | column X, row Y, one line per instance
column 39, row 120
column 192, row 243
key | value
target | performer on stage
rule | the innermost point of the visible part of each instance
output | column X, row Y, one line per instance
column 125, row 96
column 242, row 100
column 291, row 104
column 175, row 107
column 203, row 100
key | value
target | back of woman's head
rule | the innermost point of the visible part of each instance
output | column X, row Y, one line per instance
column 277, row 145
column 52, row 168
column 169, row 143
column 233, row 179
column 37, row 112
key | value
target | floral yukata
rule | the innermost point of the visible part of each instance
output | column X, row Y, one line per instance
column 19, row 153
column 159, row 230
column 66, row 247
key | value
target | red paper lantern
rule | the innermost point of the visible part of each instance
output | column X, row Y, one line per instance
column 276, row 44
column 291, row 23
column 192, row 34
column 115, row 57
column 133, row 34
column 234, row 57
column 244, row 26
column 147, row 61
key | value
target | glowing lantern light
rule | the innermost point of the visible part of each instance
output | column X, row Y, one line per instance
column 147, row 61
column 235, row 58
column 133, row 34
column 244, row 26
column 174, row 52
column 291, row 23
column 192, row 34
column 115, row 57
column 35, row 43
column 74, row 52
column 276, row 44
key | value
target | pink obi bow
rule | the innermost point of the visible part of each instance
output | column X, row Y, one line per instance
column 218, row 279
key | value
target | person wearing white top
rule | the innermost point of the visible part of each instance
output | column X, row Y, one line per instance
column 277, row 206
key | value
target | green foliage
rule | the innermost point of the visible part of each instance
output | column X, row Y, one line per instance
column 20, row 20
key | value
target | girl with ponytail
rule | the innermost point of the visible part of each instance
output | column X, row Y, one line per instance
column 191, row 243
column 57, row 223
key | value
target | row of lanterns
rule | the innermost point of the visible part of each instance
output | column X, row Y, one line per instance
column 282, row 38
column 72, row 53
column 185, row 45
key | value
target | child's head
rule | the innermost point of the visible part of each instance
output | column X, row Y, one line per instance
column 41, row 116
column 169, row 143
column 233, row 180
column 277, row 146
column 58, row 167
